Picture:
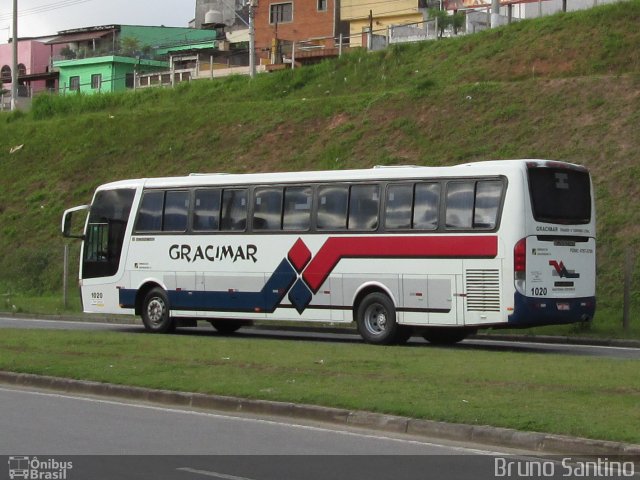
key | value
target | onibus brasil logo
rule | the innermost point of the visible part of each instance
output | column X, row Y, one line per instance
column 32, row 468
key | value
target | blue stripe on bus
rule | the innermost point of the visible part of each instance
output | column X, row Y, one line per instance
column 531, row 311
column 266, row 300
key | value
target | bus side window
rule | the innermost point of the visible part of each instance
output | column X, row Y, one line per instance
column 332, row 207
column 363, row 207
column 176, row 211
column 459, row 206
column 488, row 197
column 234, row 210
column 398, row 208
column 426, row 206
column 297, row 208
column 267, row 208
column 206, row 211
column 150, row 215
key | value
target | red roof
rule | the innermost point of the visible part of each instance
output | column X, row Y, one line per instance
column 80, row 37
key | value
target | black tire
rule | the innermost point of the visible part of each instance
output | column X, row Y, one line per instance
column 445, row 335
column 227, row 327
column 156, row 312
column 376, row 319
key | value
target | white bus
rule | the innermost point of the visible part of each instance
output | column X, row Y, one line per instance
column 434, row 251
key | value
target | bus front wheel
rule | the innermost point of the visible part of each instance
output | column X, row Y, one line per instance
column 155, row 312
column 376, row 319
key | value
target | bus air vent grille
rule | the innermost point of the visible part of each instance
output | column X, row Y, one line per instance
column 483, row 290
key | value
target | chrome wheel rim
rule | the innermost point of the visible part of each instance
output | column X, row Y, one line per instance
column 375, row 319
column 156, row 311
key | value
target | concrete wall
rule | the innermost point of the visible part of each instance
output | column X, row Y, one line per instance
column 549, row 7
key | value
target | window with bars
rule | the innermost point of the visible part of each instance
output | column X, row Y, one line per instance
column 280, row 13
column 74, row 83
column 96, row 81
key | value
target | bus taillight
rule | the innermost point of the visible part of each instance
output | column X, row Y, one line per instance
column 520, row 256
column 520, row 264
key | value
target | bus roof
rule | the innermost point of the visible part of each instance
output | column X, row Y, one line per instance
column 492, row 167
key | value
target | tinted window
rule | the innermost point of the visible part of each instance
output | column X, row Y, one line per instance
column 398, row 209
column 234, row 210
column 488, row 196
column 426, row 206
column 150, row 212
column 560, row 195
column 297, row 208
column 332, row 207
column 206, row 211
column 459, row 206
column 176, row 211
column 267, row 209
column 105, row 232
column 363, row 207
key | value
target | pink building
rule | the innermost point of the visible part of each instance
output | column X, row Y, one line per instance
column 34, row 66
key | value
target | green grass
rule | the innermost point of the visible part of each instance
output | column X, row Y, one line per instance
column 533, row 392
column 562, row 87
column 45, row 304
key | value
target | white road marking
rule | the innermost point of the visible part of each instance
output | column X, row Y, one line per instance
column 207, row 473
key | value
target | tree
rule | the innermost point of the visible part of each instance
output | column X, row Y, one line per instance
column 130, row 46
column 456, row 20
column 67, row 53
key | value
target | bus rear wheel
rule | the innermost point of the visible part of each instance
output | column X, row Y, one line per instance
column 376, row 319
column 156, row 313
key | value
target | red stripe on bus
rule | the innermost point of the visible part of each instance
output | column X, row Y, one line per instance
column 337, row 248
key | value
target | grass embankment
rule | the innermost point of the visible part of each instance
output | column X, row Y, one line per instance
column 564, row 87
column 589, row 397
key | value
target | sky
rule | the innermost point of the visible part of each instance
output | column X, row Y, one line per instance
column 47, row 17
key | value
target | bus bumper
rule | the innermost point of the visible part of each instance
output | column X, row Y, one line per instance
column 533, row 311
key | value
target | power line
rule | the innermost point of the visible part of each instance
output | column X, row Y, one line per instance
column 359, row 5
column 44, row 8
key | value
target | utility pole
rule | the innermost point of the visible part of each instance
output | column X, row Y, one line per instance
column 14, row 69
column 495, row 13
column 370, row 40
column 252, row 40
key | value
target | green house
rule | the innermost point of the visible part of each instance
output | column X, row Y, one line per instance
column 107, row 58
column 103, row 74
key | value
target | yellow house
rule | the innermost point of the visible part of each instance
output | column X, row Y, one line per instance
column 363, row 14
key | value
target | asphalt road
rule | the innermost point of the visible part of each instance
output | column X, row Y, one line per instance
column 197, row 444
column 415, row 342
column 65, row 436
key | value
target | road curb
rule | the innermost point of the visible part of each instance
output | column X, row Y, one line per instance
column 486, row 435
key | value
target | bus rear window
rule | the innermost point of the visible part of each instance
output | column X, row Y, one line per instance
column 560, row 195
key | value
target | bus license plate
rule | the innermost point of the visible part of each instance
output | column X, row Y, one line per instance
column 563, row 306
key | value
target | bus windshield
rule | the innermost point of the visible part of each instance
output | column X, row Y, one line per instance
column 105, row 232
column 560, row 195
